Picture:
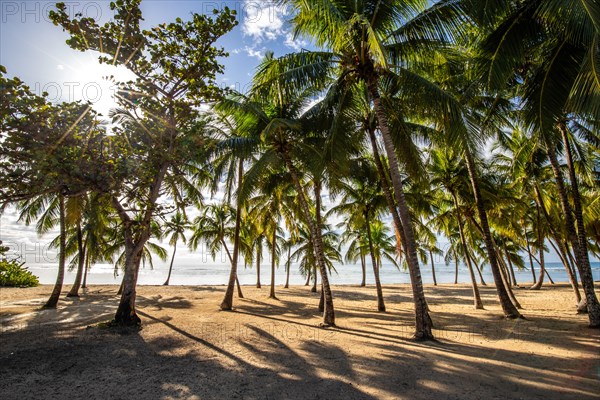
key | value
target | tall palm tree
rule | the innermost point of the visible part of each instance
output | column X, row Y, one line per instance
column 372, row 42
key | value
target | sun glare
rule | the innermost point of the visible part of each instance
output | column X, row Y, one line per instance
column 93, row 82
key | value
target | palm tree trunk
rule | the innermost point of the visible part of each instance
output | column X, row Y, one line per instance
column 258, row 254
column 313, row 289
column 577, row 239
column 315, row 234
column 74, row 292
column 585, row 270
column 455, row 268
column 509, row 309
column 308, row 276
column 549, row 277
column 239, row 287
column 273, row 257
column 507, row 279
column 432, row 268
column 387, row 191
column 563, row 252
column 423, row 322
column 321, row 300
column 530, row 258
column 54, row 296
column 85, row 272
column 287, row 269
column 511, row 268
column 380, row 302
column 478, row 268
column 565, row 262
column 171, row 265
column 364, row 270
column 227, row 303
column 476, row 295
column 540, row 281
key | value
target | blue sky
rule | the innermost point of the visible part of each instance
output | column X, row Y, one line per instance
column 33, row 49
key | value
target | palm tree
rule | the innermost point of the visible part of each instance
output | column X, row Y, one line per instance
column 446, row 171
column 175, row 227
column 275, row 201
column 50, row 210
column 362, row 201
column 215, row 226
column 372, row 42
column 276, row 120
column 555, row 56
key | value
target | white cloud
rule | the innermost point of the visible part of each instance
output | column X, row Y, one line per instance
column 263, row 20
column 295, row 44
column 253, row 52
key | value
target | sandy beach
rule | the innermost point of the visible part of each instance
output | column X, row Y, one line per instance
column 274, row 349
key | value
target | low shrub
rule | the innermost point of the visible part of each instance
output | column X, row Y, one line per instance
column 13, row 273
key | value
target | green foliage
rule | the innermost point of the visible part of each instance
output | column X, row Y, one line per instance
column 13, row 273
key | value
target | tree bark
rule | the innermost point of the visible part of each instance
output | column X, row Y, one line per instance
column 387, row 191
column 171, row 265
column 74, row 292
column 540, row 282
column 581, row 256
column 380, row 302
column 423, row 323
column 134, row 245
column 258, row 256
column 227, row 303
column 566, row 264
column 513, row 277
column 54, row 296
column 509, row 309
column 432, row 268
column 478, row 268
column 287, row 269
column 455, row 269
column 591, row 299
column 562, row 251
column 364, row 270
column 273, row 256
column 85, row 272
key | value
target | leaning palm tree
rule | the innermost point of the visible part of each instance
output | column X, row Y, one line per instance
column 176, row 228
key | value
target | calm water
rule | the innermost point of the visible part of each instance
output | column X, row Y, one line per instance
column 187, row 272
